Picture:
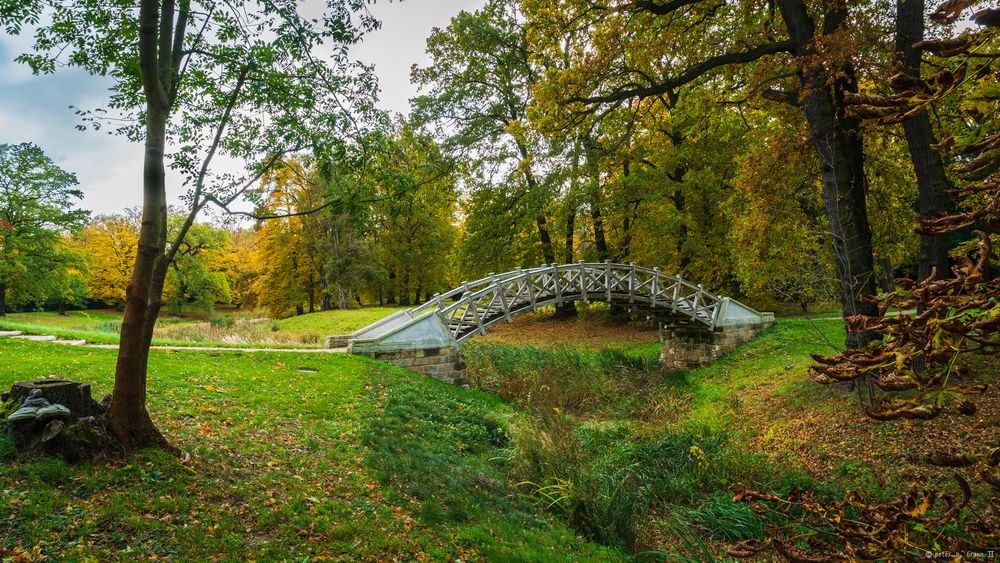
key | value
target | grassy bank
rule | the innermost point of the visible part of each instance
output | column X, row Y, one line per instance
column 649, row 460
column 285, row 458
column 573, row 454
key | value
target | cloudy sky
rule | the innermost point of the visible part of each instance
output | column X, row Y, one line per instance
column 37, row 109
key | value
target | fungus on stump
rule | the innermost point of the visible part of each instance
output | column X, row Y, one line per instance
column 75, row 433
column 73, row 395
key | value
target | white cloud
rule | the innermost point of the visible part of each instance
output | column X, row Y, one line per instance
column 36, row 108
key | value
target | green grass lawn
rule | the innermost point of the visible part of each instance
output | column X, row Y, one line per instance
column 285, row 458
column 329, row 323
column 571, row 454
column 225, row 329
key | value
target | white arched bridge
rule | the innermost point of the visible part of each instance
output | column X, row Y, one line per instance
column 454, row 317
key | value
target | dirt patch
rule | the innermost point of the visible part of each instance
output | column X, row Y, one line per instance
column 591, row 331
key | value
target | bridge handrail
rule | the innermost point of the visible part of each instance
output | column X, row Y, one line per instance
column 703, row 307
column 490, row 280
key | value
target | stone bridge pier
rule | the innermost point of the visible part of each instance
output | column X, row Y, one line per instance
column 685, row 347
column 445, row 364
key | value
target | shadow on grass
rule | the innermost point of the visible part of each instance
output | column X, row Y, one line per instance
column 440, row 450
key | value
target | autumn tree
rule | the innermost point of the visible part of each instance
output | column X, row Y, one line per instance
column 37, row 205
column 288, row 277
column 252, row 82
column 236, row 263
column 414, row 219
column 110, row 243
column 192, row 282
column 476, row 90
column 650, row 50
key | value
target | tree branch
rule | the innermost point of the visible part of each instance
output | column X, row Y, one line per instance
column 688, row 75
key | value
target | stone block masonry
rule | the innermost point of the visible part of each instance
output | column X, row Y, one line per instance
column 691, row 348
column 444, row 364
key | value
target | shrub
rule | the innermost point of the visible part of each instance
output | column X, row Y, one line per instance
column 726, row 520
column 224, row 321
column 111, row 327
column 7, row 449
column 610, row 382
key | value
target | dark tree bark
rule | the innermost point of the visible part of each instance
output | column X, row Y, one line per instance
column 159, row 41
column 840, row 149
column 680, row 205
column 548, row 251
column 932, row 182
column 885, row 279
column 312, row 293
column 570, row 251
column 391, row 290
column 404, row 290
column 3, row 300
column 600, row 241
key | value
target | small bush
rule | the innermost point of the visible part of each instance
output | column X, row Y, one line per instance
column 51, row 470
column 110, row 327
column 610, row 382
column 224, row 321
column 729, row 521
column 7, row 449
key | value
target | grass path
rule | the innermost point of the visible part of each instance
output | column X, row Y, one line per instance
column 226, row 329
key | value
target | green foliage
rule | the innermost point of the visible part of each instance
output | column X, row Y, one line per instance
column 422, row 433
column 475, row 93
column 191, row 282
column 729, row 521
column 37, row 206
column 7, row 449
column 610, row 382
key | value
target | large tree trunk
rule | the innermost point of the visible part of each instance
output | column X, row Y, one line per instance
column 3, row 300
column 680, row 205
column 600, row 241
column 127, row 417
column 570, row 248
column 840, row 149
column 548, row 251
column 932, row 182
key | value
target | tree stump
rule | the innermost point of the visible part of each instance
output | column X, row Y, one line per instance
column 75, row 436
column 73, row 395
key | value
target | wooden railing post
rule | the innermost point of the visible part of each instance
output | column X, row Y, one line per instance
column 656, row 285
column 607, row 278
column 499, row 293
column 555, row 283
column 677, row 293
column 697, row 302
column 631, row 283
column 531, row 291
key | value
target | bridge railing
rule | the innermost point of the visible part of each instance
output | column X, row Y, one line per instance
column 473, row 307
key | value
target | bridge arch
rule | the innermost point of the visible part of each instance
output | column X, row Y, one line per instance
column 458, row 315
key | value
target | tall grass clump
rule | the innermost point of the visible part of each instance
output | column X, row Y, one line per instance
column 110, row 327
column 607, row 448
column 605, row 478
column 610, row 382
column 7, row 449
